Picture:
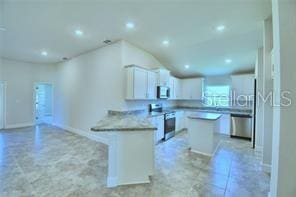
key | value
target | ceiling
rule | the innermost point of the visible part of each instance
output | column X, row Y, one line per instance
column 190, row 26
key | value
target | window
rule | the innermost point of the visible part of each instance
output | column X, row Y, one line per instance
column 217, row 95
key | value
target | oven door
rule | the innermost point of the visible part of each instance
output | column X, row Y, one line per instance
column 169, row 127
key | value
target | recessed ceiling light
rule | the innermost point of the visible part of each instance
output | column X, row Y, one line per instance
column 44, row 53
column 220, row 28
column 228, row 61
column 78, row 32
column 2, row 29
column 186, row 66
column 130, row 25
column 166, row 42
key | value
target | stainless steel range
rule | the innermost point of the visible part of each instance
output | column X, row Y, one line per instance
column 169, row 120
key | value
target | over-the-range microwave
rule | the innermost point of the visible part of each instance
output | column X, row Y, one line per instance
column 163, row 92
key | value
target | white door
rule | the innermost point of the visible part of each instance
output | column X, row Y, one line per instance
column 151, row 85
column 1, row 105
column 140, row 84
column 43, row 103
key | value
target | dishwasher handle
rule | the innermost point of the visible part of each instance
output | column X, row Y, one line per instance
column 241, row 115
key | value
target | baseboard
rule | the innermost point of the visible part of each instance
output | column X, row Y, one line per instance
column 266, row 167
column 112, row 181
column 19, row 125
column 201, row 153
column 259, row 148
column 88, row 134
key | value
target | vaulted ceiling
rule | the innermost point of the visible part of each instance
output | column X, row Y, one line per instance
column 190, row 26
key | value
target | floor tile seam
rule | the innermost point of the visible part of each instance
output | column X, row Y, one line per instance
column 26, row 178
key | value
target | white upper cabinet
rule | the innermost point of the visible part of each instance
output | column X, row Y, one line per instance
column 172, row 87
column 192, row 89
column 151, row 85
column 140, row 83
column 175, row 88
column 163, row 77
column 242, row 86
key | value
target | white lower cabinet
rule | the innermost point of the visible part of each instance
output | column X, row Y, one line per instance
column 180, row 120
column 158, row 122
column 224, row 124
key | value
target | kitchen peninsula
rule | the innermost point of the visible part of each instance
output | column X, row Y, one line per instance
column 131, row 148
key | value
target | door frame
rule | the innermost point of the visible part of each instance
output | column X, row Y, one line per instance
column 34, row 99
column 4, row 103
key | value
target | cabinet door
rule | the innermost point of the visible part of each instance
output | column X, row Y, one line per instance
column 172, row 88
column 160, row 128
column 192, row 89
column 249, row 85
column 154, row 122
column 196, row 86
column 177, row 88
column 224, row 124
column 164, row 77
column 179, row 120
column 242, row 85
column 151, row 85
column 186, row 89
column 140, row 84
column 237, row 83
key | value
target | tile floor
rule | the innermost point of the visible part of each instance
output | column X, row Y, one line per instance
column 47, row 161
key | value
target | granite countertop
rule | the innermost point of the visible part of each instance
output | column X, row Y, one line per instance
column 139, row 119
column 123, row 123
column 204, row 116
column 220, row 110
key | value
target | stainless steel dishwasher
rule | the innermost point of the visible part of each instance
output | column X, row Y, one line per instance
column 241, row 126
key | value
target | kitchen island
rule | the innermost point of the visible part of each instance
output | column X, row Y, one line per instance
column 131, row 148
column 202, row 132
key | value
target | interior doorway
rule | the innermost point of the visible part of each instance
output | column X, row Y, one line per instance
column 2, row 112
column 43, row 103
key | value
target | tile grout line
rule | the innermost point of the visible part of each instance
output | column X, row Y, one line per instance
column 24, row 175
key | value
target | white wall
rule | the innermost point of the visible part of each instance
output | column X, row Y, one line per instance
column 218, row 80
column 284, row 135
column 91, row 84
column 20, row 78
column 267, row 89
column 134, row 55
column 1, row 105
column 259, row 105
